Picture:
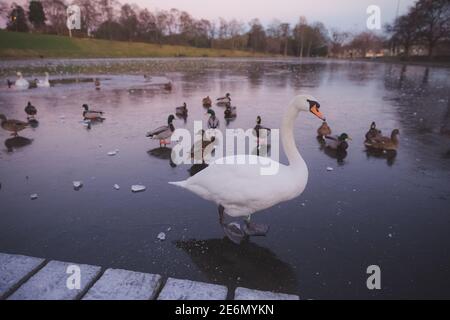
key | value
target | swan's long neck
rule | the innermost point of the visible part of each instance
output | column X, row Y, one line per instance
column 287, row 137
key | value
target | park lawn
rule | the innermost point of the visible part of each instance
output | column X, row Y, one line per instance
column 17, row 45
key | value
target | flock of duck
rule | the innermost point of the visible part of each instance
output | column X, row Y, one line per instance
column 245, row 188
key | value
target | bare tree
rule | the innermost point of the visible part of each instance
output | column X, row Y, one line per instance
column 128, row 19
column 337, row 41
column 55, row 11
column 433, row 18
column 90, row 15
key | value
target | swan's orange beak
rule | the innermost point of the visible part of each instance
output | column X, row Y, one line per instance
column 317, row 113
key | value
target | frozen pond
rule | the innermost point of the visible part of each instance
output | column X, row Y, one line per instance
column 370, row 210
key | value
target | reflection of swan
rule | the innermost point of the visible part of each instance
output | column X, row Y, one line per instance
column 162, row 153
column 240, row 189
column 245, row 265
column 43, row 83
column 16, row 143
column 21, row 83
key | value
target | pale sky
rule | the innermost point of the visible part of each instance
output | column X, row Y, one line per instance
column 344, row 14
column 348, row 15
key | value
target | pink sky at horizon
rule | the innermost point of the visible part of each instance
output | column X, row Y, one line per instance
column 345, row 15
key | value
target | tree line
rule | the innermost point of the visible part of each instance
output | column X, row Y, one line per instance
column 425, row 24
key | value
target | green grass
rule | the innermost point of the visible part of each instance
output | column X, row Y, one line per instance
column 24, row 45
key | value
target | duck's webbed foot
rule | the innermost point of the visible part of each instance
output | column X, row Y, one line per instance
column 255, row 229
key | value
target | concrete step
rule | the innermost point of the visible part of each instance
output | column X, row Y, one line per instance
column 50, row 283
column 176, row 289
column 117, row 284
column 14, row 269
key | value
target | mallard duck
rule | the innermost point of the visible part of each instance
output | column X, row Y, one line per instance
column 246, row 187
column 21, row 83
column 207, row 102
column 163, row 133
column 182, row 110
column 338, row 143
column 324, row 130
column 12, row 125
column 30, row 110
column 168, row 86
column 224, row 101
column 230, row 112
column 385, row 143
column 91, row 114
column 43, row 83
column 97, row 84
column 373, row 132
column 213, row 122
column 198, row 148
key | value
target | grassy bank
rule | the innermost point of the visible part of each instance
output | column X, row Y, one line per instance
column 16, row 45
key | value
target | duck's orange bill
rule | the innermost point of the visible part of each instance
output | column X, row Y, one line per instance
column 317, row 113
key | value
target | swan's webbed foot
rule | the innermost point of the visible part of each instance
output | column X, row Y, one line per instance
column 255, row 229
column 234, row 232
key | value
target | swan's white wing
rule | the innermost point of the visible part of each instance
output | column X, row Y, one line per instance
column 241, row 188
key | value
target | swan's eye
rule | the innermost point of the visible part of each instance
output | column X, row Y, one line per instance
column 313, row 104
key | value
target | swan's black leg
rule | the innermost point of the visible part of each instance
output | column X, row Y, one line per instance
column 232, row 230
column 221, row 210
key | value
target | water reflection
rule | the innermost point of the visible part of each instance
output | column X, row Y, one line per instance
column 162, row 153
column 183, row 117
column 337, row 154
column 33, row 123
column 248, row 265
column 196, row 168
column 17, row 143
column 389, row 156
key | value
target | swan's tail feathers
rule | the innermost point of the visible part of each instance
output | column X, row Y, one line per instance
column 181, row 184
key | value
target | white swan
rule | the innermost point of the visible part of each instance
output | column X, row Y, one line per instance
column 44, row 83
column 240, row 190
column 21, row 83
